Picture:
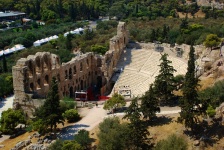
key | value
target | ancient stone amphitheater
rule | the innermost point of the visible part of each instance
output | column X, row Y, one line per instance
column 139, row 67
column 124, row 66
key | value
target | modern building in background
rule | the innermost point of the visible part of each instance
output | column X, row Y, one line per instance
column 11, row 15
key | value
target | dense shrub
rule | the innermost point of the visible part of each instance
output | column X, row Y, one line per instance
column 173, row 142
column 6, row 84
column 210, row 111
column 83, row 138
column 71, row 115
column 10, row 119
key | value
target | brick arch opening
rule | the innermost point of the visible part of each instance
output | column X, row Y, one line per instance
column 74, row 70
column 71, row 92
column 66, row 74
column 31, row 68
column 81, row 66
column 31, row 87
column 46, row 79
column 70, row 73
column 46, row 63
column 38, row 65
column 38, row 83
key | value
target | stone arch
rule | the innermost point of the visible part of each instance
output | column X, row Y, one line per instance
column 66, row 74
column 82, row 85
column 71, row 92
column 57, row 62
column 31, row 87
column 38, row 64
column 38, row 84
column 85, row 84
column 87, row 62
column 31, row 67
column 74, row 69
column 70, row 73
column 46, row 62
column 99, row 62
column 81, row 67
column 46, row 79
column 58, row 77
column 99, row 83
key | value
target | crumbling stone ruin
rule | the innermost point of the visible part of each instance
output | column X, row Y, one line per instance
column 220, row 112
column 32, row 75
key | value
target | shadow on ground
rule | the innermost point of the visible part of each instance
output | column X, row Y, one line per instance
column 159, row 121
column 68, row 132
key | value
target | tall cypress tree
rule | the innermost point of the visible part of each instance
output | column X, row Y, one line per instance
column 189, row 102
column 138, row 129
column 50, row 111
column 4, row 63
column 149, row 104
column 164, row 82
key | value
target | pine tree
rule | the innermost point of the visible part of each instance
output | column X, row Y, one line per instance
column 137, row 127
column 50, row 112
column 189, row 101
column 149, row 104
column 164, row 82
column 4, row 63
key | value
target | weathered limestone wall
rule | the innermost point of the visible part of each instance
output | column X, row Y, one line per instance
column 32, row 75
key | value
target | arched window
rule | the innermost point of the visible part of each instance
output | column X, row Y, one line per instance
column 31, row 68
column 66, row 74
column 38, row 84
column 38, row 65
column 31, row 87
column 87, row 62
column 46, row 79
column 80, row 66
column 70, row 73
column 74, row 70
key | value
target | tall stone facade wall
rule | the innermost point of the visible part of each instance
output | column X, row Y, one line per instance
column 32, row 75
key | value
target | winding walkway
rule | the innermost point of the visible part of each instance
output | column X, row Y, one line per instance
column 97, row 115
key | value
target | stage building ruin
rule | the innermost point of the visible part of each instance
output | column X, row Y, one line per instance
column 33, row 75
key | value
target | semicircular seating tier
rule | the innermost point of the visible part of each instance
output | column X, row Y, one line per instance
column 139, row 69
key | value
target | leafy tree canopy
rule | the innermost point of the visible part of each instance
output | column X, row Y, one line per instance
column 10, row 119
column 116, row 101
column 212, row 40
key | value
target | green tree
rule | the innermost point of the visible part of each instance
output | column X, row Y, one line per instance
column 57, row 145
column 4, row 63
column 189, row 102
column 173, row 142
column 212, row 40
column 71, row 115
column 68, row 42
column 71, row 145
column 138, row 129
column 164, row 82
column 113, row 135
column 88, row 34
column 6, row 84
column 99, row 49
column 40, row 126
column 50, row 111
column 10, row 119
column 83, row 139
column 116, row 101
column 149, row 104
column 210, row 111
